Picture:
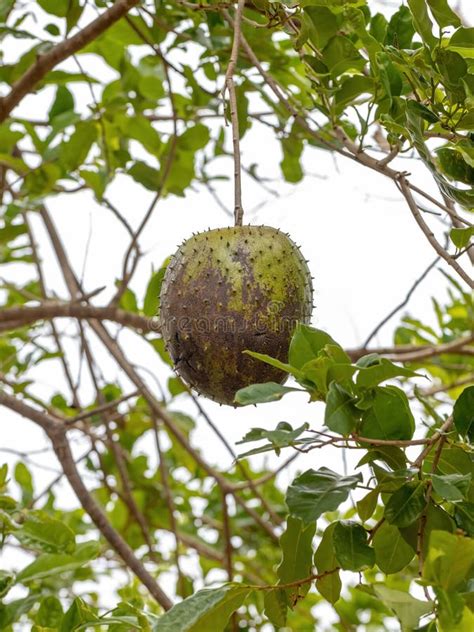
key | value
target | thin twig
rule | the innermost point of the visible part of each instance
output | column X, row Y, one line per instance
column 401, row 305
column 46, row 62
column 405, row 189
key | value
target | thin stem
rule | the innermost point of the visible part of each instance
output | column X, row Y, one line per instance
column 401, row 305
column 230, row 86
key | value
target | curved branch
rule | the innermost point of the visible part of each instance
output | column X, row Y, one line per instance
column 54, row 428
column 57, row 54
column 15, row 317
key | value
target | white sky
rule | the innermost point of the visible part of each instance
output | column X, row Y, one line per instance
column 365, row 251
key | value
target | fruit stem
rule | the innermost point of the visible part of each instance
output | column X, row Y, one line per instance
column 230, row 86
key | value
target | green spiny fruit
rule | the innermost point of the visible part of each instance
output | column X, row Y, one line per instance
column 226, row 291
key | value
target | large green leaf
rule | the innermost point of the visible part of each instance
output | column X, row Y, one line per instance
column 463, row 413
column 406, row 504
column 314, row 492
column 297, row 550
column 306, row 344
column 340, row 55
column 50, row 612
column 389, row 417
column 366, row 505
column 262, row 393
column 350, row 546
column 451, row 487
column 392, row 553
column 276, row 606
column 208, row 609
column 50, row 564
column 340, row 415
column 422, row 22
column 407, row 608
column 449, row 560
column 443, row 14
column 325, row 560
column 377, row 373
column 47, row 534
column 324, row 25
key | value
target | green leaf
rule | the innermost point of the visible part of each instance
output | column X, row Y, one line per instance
column 461, row 237
column 79, row 613
column 366, row 506
column 288, row 368
column 393, row 456
column 384, row 370
column 208, row 609
column 450, row 558
column 350, row 546
column 463, row 413
column 408, row 609
column 262, row 393
column 422, row 111
column 389, row 417
column 340, row 415
column 453, row 165
column 452, row 487
column 462, row 41
column 400, row 29
column 128, row 300
column 325, row 560
column 50, row 612
column 291, row 165
column 450, row 610
column 281, row 437
column 464, row 517
column 341, row 55
column 452, row 66
column 96, row 180
column 392, row 553
column 7, row 580
column 297, row 551
column 63, row 102
column 50, row 564
column 47, row 534
column 422, row 22
column 389, row 75
column 436, row 520
column 194, row 138
column 11, row 612
column 406, row 504
column 276, row 607
column 378, row 27
column 25, row 481
column 351, row 88
column 324, row 25
column 74, row 151
column 152, row 294
column 315, row 492
column 306, row 344
column 145, row 175
column 443, row 14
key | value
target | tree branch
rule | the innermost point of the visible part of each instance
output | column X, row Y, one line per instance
column 54, row 428
column 45, row 63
